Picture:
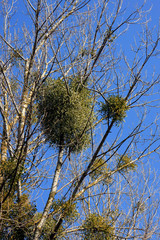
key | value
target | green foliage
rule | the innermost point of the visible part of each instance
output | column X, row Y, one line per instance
column 96, row 227
column 15, row 56
column 9, row 166
column 124, row 163
column 70, row 214
column 99, row 168
column 114, row 108
column 66, row 113
column 20, row 218
column 68, row 209
column 86, row 52
column 14, row 85
column 11, row 172
column 17, row 218
column 48, row 227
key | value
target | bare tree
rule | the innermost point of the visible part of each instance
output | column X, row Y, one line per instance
column 67, row 87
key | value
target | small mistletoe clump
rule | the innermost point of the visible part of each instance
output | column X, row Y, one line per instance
column 125, row 164
column 68, row 208
column 114, row 108
column 97, row 227
column 99, row 168
column 66, row 112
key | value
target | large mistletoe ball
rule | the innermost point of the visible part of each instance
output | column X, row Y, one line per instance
column 66, row 112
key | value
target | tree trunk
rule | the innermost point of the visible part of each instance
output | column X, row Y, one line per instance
column 51, row 196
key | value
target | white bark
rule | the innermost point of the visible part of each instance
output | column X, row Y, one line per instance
column 51, row 196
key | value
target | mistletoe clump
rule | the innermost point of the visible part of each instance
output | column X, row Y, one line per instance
column 67, row 208
column 99, row 168
column 125, row 164
column 97, row 227
column 48, row 227
column 66, row 112
column 114, row 108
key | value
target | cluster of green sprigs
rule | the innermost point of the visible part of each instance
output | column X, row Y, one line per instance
column 97, row 227
column 66, row 113
column 8, row 169
column 67, row 208
column 125, row 164
column 48, row 227
column 70, row 214
column 99, row 168
column 18, row 216
column 114, row 108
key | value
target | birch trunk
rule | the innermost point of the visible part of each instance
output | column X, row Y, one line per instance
column 51, row 196
column 3, row 148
